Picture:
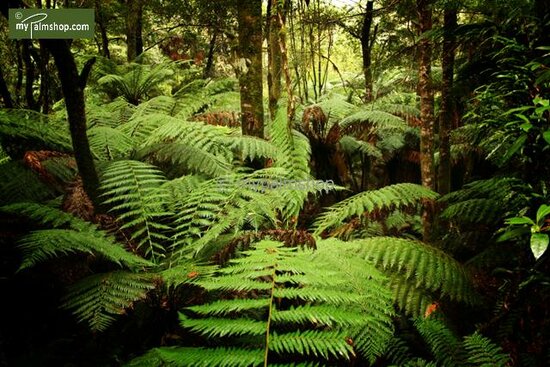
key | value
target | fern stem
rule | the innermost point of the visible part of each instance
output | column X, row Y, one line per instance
column 269, row 315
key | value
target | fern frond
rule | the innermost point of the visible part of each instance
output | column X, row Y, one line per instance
column 98, row 298
column 40, row 131
column 108, row 144
column 444, row 345
column 134, row 190
column 250, row 147
column 483, row 352
column 215, row 357
column 54, row 217
column 426, row 267
column 273, row 282
column 351, row 145
column 19, row 184
column 386, row 198
column 46, row 244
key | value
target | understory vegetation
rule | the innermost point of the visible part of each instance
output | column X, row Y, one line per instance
column 360, row 183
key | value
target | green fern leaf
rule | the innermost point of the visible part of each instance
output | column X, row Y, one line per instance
column 98, row 298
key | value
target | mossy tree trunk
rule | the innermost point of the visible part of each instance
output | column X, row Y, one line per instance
column 249, row 15
column 274, row 59
column 425, row 91
column 134, row 21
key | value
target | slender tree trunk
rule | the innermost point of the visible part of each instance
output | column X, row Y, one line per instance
column 72, row 85
column 100, row 16
column 134, row 40
column 426, row 94
column 366, row 49
column 273, row 30
column 249, row 15
column 446, row 113
column 19, row 82
column 209, row 67
column 44, row 58
column 4, row 91
column 29, row 75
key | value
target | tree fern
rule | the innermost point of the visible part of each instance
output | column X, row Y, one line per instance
column 108, row 144
column 46, row 244
column 275, row 304
column 443, row 344
column 365, row 203
column 134, row 190
column 98, row 298
column 416, row 271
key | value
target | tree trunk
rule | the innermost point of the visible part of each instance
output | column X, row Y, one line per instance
column 72, row 86
column 29, row 75
column 426, row 94
column 209, row 67
column 273, row 56
column 446, row 113
column 5, row 92
column 366, row 49
column 100, row 15
column 249, row 15
column 134, row 40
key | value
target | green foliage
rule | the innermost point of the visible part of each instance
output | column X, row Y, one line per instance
column 484, row 353
column 292, row 310
column 370, row 202
column 136, row 84
column 108, row 143
column 19, row 184
column 134, row 190
column 417, row 272
column 33, row 129
column 485, row 201
column 97, row 298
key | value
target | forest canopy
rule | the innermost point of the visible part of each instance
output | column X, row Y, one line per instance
column 277, row 183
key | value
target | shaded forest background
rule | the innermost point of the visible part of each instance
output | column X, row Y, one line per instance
column 286, row 182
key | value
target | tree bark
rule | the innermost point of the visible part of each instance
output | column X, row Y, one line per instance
column 273, row 30
column 426, row 94
column 5, row 92
column 446, row 113
column 209, row 67
column 100, row 15
column 29, row 75
column 366, row 49
column 249, row 15
column 72, row 85
column 134, row 40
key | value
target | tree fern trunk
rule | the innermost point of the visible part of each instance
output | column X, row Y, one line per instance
column 446, row 113
column 425, row 92
column 249, row 15
column 72, row 86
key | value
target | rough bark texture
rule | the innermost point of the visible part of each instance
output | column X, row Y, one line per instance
column 4, row 91
column 446, row 113
column 273, row 57
column 366, row 48
column 133, row 29
column 72, row 85
column 249, row 15
column 425, row 92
